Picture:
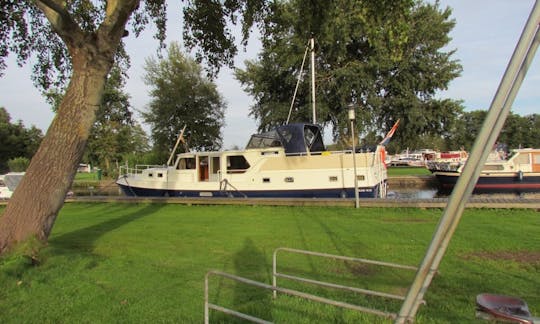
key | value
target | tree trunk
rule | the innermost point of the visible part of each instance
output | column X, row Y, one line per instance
column 33, row 208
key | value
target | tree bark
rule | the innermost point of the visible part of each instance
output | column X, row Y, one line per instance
column 32, row 210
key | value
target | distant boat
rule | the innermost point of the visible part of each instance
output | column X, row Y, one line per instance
column 8, row 183
column 289, row 161
column 416, row 158
column 520, row 173
column 446, row 161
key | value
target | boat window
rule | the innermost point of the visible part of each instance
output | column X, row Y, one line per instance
column 186, row 164
column 237, row 164
column 333, row 178
column 523, row 159
column 264, row 140
column 289, row 179
column 215, row 164
column 313, row 139
column 266, row 180
column 286, row 134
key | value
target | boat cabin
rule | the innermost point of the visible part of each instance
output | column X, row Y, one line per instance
column 294, row 138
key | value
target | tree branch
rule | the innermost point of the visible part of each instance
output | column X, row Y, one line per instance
column 60, row 19
column 117, row 15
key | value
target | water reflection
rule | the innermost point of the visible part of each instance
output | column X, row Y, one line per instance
column 412, row 193
column 428, row 193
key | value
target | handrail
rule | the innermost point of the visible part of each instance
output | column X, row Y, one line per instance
column 208, row 305
column 274, row 288
column 276, row 274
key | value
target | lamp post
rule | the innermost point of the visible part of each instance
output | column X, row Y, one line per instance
column 352, row 117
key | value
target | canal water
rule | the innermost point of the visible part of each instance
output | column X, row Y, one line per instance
column 428, row 193
column 412, row 193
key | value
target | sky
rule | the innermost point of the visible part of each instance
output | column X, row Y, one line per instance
column 484, row 38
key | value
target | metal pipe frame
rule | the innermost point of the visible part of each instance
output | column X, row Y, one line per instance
column 275, row 274
column 208, row 305
column 499, row 109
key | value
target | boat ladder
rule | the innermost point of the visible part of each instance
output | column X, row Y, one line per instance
column 223, row 188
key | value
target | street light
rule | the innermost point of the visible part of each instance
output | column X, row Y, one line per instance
column 352, row 117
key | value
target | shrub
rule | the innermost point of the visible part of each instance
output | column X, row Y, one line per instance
column 18, row 164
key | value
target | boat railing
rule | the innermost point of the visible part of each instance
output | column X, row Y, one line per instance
column 304, row 295
column 319, row 153
column 137, row 169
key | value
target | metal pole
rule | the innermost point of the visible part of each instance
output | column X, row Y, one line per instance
column 356, row 198
column 274, row 271
column 492, row 125
column 355, row 182
column 297, row 84
column 206, row 311
column 312, row 41
column 176, row 145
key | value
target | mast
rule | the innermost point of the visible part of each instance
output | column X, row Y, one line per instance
column 312, row 42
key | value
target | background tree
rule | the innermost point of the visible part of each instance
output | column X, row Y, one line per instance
column 115, row 132
column 518, row 131
column 182, row 96
column 79, row 41
column 16, row 141
column 384, row 56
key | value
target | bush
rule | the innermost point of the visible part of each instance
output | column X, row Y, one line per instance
column 18, row 164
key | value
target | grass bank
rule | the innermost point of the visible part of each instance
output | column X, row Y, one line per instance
column 407, row 171
column 111, row 263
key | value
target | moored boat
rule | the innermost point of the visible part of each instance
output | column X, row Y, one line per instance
column 520, row 173
column 446, row 161
column 8, row 183
column 290, row 161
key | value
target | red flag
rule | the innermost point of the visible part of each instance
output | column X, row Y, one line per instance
column 388, row 136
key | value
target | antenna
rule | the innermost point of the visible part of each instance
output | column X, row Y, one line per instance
column 312, row 41
column 180, row 138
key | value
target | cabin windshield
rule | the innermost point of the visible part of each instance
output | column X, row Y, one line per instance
column 294, row 138
column 186, row 163
column 264, row 140
column 313, row 138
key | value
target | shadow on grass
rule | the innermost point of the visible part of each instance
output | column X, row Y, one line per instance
column 250, row 263
column 84, row 239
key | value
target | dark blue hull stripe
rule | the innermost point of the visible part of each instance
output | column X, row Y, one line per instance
column 314, row 193
column 506, row 184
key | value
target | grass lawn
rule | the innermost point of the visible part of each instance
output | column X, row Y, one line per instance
column 86, row 176
column 122, row 263
column 407, row 171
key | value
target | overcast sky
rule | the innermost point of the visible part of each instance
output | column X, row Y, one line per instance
column 485, row 35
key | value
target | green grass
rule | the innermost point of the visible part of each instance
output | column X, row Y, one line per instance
column 86, row 176
column 121, row 263
column 407, row 171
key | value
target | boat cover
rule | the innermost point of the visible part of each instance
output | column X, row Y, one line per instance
column 294, row 138
column 504, row 308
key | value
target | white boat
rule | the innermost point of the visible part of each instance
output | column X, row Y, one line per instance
column 4, row 190
column 447, row 161
column 8, row 183
column 290, row 161
column 520, row 173
column 416, row 158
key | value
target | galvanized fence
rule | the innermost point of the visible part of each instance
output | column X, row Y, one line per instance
column 275, row 289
